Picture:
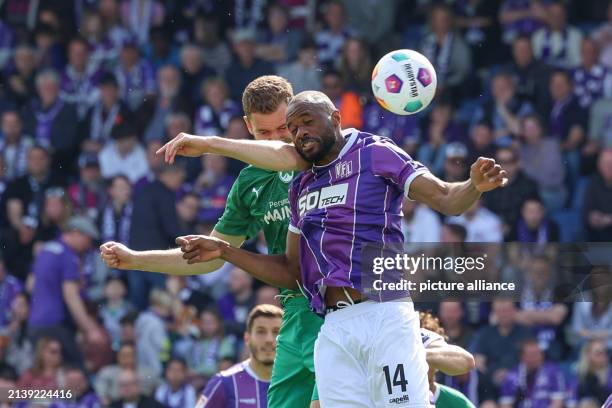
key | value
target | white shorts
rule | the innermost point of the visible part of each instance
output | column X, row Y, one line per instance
column 371, row 355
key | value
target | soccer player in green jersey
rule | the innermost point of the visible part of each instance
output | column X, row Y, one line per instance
column 257, row 201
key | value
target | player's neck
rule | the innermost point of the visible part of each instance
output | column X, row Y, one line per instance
column 262, row 371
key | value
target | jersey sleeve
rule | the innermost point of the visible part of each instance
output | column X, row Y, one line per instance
column 428, row 337
column 236, row 219
column 214, row 394
column 294, row 206
column 394, row 164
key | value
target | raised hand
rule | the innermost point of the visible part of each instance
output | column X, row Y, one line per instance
column 116, row 255
column 486, row 175
column 183, row 144
column 201, row 248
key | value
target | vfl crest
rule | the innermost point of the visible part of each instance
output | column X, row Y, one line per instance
column 344, row 169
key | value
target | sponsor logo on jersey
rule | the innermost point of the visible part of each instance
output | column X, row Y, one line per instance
column 326, row 197
column 248, row 401
column 257, row 190
column 285, row 176
column 404, row 399
column 277, row 214
column 344, row 169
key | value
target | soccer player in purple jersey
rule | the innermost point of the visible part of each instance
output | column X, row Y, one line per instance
column 245, row 385
column 367, row 353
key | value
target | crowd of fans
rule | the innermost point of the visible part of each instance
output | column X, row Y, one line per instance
column 91, row 89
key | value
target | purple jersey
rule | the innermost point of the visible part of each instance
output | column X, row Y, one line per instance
column 546, row 385
column 340, row 207
column 591, row 85
column 237, row 387
column 608, row 403
column 10, row 287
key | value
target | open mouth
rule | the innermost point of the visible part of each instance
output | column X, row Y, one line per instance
column 308, row 144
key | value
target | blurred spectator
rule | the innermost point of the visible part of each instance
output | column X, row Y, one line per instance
column 213, row 186
column 187, row 209
column 76, row 381
column 7, row 43
column 267, row 295
column 107, row 380
column 49, row 46
column 175, row 391
column 155, row 162
column 154, row 112
column 116, row 215
column 88, row 194
column 154, row 226
column 541, row 160
column 507, row 202
column 114, row 308
column 531, row 76
column 212, row 118
column 505, row 110
column 303, row 74
column 278, row 43
column 47, row 371
column 346, row 102
column 592, row 315
column 105, row 116
column 481, row 224
column 234, row 306
column 79, row 80
column 477, row 20
column 476, row 386
column 52, row 122
column 250, row 377
column 139, row 16
column 356, row 67
column 56, row 212
column 419, row 223
column 212, row 345
column 20, row 350
column 159, row 50
column 534, row 383
column 534, row 225
column 109, row 10
column 194, row 72
column 456, row 167
column 482, row 141
column 558, row 43
column 451, row 316
column 402, row 129
column 439, row 131
column 124, row 155
column 56, row 300
column 603, row 37
column 246, row 66
column 10, row 288
column 594, row 373
column 592, row 81
column 600, row 129
column 217, row 55
column 20, row 83
column 539, row 308
column 447, row 51
column 330, row 40
column 134, row 74
column 598, row 201
column 521, row 17
column 102, row 51
column 14, row 146
column 505, row 334
column 453, row 234
column 130, row 392
column 152, row 341
column 24, row 206
column 376, row 28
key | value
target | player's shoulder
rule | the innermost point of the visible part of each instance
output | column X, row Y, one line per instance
column 232, row 371
column 252, row 173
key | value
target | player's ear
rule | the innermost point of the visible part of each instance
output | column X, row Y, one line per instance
column 336, row 118
column 247, row 337
column 249, row 125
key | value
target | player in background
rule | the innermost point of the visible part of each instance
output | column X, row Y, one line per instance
column 257, row 201
column 335, row 211
column 245, row 385
column 434, row 340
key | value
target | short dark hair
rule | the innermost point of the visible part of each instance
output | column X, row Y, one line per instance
column 263, row 311
column 265, row 94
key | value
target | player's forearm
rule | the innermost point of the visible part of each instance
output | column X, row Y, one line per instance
column 459, row 197
column 271, row 269
column 450, row 359
column 265, row 154
column 171, row 262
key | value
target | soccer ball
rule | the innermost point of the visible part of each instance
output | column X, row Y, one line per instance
column 404, row 82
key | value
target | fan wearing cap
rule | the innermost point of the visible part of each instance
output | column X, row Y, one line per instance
column 57, row 306
column 125, row 155
column 455, row 162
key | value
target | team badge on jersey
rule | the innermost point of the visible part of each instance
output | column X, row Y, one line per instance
column 344, row 169
column 285, row 176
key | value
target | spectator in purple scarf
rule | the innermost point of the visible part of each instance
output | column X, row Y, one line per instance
column 102, row 51
column 53, row 122
column 330, row 40
column 14, row 148
column 213, row 117
column 83, row 396
column 116, row 215
column 592, row 80
column 213, row 186
column 234, row 307
column 521, row 17
column 139, row 16
column 135, row 75
column 80, row 78
column 534, row 382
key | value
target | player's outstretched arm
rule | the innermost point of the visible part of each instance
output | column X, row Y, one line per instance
column 455, row 198
column 265, row 154
column 276, row 270
column 450, row 359
column 169, row 261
